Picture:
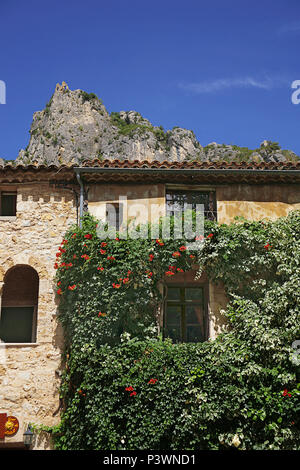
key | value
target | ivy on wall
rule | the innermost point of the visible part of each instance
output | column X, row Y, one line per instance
column 124, row 387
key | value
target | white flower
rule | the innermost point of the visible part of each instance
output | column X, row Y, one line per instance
column 235, row 440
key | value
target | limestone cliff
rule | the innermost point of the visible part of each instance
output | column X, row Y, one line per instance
column 75, row 126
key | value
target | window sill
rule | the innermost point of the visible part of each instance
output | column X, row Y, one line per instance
column 8, row 218
column 23, row 345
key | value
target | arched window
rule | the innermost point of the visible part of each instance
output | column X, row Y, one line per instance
column 19, row 305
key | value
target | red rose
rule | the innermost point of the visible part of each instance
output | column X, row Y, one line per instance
column 210, row 235
column 133, row 394
column 88, row 236
column 59, row 291
column 129, row 389
column 103, row 244
column 182, row 248
column 176, row 254
column 72, row 287
column 100, row 268
column 151, row 257
column 102, row 252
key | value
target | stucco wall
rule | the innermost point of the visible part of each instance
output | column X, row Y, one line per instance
column 28, row 379
column 256, row 202
column 144, row 203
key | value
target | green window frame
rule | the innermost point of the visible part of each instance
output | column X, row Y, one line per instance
column 185, row 313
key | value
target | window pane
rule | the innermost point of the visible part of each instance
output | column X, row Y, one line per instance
column 175, row 201
column 194, row 334
column 8, row 204
column 16, row 324
column 194, row 293
column 173, row 323
column 173, row 315
column 194, row 314
column 173, row 293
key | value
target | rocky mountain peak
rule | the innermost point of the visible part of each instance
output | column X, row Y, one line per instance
column 75, row 126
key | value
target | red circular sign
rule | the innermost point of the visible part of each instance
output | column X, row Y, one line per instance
column 11, row 426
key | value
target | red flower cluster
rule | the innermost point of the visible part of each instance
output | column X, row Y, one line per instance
column 116, row 286
column 286, row 393
column 151, row 257
column 88, row 236
column 100, row 268
column 72, row 287
column 59, row 291
column 210, row 235
column 131, row 389
column 103, row 244
column 176, row 254
column 149, row 273
column 66, row 265
column 111, row 258
column 101, row 314
column 86, row 257
column 159, row 242
column 102, row 252
column 267, row 246
column 169, row 273
column 182, row 248
column 152, row 381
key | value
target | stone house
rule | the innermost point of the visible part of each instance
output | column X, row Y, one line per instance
column 37, row 205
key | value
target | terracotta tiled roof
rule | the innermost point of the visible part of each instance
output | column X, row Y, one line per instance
column 155, row 164
column 144, row 171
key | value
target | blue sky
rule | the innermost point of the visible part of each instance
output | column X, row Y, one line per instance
column 222, row 69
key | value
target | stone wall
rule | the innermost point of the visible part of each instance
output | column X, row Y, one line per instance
column 29, row 373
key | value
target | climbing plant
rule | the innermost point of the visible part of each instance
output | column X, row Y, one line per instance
column 124, row 386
